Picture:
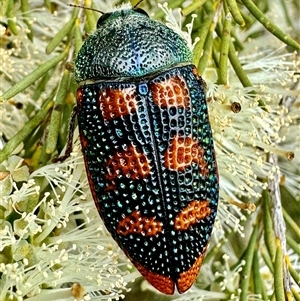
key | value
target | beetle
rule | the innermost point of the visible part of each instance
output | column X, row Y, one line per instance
column 147, row 145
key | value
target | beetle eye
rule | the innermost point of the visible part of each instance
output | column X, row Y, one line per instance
column 102, row 19
column 141, row 11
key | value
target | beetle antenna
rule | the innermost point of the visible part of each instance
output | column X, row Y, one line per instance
column 89, row 8
column 138, row 3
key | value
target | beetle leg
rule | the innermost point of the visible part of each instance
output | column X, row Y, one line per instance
column 70, row 138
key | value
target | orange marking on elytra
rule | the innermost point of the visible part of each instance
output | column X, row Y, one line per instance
column 191, row 215
column 162, row 283
column 195, row 72
column 182, row 152
column 130, row 163
column 79, row 95
column 171, row 92
column 115, row 103
column 199, row 78
column 187, row 278
column 135, row 223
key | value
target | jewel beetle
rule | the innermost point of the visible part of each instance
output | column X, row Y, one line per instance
column 147, row 145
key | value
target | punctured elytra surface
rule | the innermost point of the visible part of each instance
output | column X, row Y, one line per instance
column 149, row 153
